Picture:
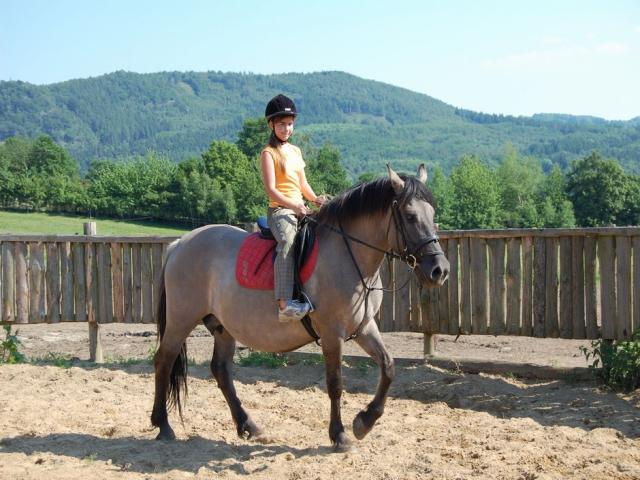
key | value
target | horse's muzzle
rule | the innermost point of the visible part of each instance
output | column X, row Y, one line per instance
column 435, row 272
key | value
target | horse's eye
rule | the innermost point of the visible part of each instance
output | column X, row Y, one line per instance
column 411, row 218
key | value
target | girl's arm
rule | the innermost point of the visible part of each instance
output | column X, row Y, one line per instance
column 269, row 181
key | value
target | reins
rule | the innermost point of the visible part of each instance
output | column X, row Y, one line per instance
column 407, row 257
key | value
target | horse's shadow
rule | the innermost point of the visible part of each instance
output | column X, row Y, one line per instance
column 548, row 403
column 150, row 456
column 576, row 404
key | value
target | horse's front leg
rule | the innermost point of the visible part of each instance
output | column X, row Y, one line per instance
column 371, row 342
column 332, row 350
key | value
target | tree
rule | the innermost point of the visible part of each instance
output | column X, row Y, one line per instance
column 556, row 211
column 49, row 159
column 253, row 136
column 237, row 175
column 439, row 186
column 325, row 172
column 199, row 197
column 474, row 195
column 599, row 191
column 631, row 211
column 13, row 168
column 39, row 174
column 519, row 180
column 133, row 188
column 365, row 177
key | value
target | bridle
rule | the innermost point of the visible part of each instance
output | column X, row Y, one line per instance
column 409, row 256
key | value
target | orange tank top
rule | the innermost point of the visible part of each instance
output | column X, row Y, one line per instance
column 287, row 181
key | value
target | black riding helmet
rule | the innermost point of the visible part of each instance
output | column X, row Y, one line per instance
column 280, row 105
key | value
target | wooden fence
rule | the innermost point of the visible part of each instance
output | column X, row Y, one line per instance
column 573, row 283
column 567, row 283
column 80, row 278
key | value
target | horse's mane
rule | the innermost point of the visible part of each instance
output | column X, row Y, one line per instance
column 371, row 198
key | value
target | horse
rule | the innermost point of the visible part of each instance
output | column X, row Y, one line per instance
column 392, row 215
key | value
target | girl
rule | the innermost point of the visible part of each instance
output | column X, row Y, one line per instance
column 286, row 185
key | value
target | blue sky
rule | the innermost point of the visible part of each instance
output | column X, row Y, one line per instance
column 512, row 57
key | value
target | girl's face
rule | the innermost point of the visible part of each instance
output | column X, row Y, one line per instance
column 283, row 127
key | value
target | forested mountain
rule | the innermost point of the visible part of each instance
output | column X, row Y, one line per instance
column 124, row 114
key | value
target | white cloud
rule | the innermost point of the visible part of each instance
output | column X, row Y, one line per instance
column 611, row 48
column 543, row 58
column 535, row 58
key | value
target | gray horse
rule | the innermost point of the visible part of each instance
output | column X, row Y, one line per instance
column 391, row 215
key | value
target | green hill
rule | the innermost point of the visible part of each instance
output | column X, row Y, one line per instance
column 179, row 113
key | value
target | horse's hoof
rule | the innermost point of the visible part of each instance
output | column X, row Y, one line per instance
column 342, row 444
column 249, row 430
column 166, row 434
column 360, row 428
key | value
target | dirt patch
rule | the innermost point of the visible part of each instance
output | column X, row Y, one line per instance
column 93, row 422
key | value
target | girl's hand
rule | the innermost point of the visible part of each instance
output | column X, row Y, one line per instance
column 320, row 200
column 300, row 209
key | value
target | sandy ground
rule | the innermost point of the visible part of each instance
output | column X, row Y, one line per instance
column 91, row 421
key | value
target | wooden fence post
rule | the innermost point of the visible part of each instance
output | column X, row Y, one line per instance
column 95, row 345
column 429, row 345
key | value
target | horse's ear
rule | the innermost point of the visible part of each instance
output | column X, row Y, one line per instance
column 396, row 182
column 422, row 173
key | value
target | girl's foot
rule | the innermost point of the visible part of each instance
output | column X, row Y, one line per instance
column 293, row 310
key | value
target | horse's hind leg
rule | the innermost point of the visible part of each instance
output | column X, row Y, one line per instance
column 164, row 360
column 371, row 342
column 221, row 365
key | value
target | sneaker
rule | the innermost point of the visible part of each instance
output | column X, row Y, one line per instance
column 294, row 310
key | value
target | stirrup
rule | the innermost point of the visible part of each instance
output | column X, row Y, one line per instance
column 308, row 300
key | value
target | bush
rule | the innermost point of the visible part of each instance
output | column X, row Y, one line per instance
column 616, row 363
column 9, row 348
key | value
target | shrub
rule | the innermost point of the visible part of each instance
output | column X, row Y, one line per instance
column 9, row 348
column 617, row 363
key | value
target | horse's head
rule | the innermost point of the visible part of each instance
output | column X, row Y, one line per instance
column 414, row 236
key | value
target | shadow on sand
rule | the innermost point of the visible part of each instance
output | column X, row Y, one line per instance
column 150, row 456
column 575, row 404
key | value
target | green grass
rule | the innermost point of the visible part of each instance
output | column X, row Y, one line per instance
column 261, row 359
column 362, row 366
column 51, row 224
column 61, row 360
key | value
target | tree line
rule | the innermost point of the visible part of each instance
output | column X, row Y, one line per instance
column 593, row 192
column 223, row 185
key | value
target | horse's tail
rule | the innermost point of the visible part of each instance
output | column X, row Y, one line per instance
column 178, row 377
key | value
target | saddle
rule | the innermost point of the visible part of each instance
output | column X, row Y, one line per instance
column 254, row 265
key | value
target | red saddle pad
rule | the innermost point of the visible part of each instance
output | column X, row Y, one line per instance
column 254, row 265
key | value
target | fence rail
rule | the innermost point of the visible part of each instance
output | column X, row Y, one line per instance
column 568, row 283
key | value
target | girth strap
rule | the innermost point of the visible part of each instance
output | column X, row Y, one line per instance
column 306, row 323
